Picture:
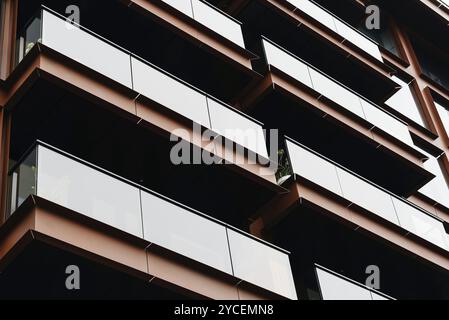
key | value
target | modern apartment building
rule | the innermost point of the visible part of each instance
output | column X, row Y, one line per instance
column 224, row 149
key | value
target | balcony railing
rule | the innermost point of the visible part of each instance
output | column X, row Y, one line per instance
column 334, row 286
column 445, row 3
column 337, row 25
column 84, row 188
column 404, row 102
column 327, row 87
column 363, row 193
column 211, row 17
column 106, row 58
column 437, row 189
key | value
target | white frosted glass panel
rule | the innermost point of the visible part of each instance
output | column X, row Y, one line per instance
column 336, row 93
column 237, row 128
column 387, row 123
column 367, row 196
column 288, row 64
column 421, row 224
column 88, row 191
column 404, row 102
column 186, row 233
column 444, row 116
column 315, row 12
column 185, row 6
column 86, row 49
column 261, row 265
column 338, row 26
column 358, row 39
column 218, row 22
column 335, row 288
column 170, row 93
column 378, row 297
column 313, row 168
column 437, row 189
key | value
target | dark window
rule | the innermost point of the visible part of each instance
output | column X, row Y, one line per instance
column 432, row 62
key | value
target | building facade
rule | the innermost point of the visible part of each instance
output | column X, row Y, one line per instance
column 224, row 149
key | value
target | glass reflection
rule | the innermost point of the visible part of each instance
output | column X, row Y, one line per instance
column 421, row 224
column 287, row 63
column 313, row 168
column 72, row 42
column 88, row 191
column 220, row 23
column 186, row 233
column 337, row 287
column 169, row 92
column 237, row 128
column 262, row 265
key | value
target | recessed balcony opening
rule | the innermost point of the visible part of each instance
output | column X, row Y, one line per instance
column 223, row 5
column 341, row 144
column 432, row 61
column 349, row 10
column 148, row 38
column 137, row 153
column 315, row 49
column 429, row 26
column 39, row 273
column 314, row 238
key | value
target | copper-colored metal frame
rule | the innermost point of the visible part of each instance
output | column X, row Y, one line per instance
column 40, row 220
column 303, row 193
column 193, row 31
column 42, row 62
column 278, row 81
column 190, row 29
column 423, row 89
column 7, row 43
column 298, row 18
column 36, row 219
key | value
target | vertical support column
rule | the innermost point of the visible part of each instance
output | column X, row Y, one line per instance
column 4, row 155
column 7, row 41
column 421, row 89
column 397, row 38
column 424, row 96
column 7, row 44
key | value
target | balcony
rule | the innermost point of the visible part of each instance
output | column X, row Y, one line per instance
column 445, row 3
column 62, row 179
column 329, row 117
column 338, row 26
column 319, row 227
column 440, row 4
column 100, row 281
column 331, row 89
column 362, row 193
column 157, row 32
column 146, row 81
column 334, row 286
column 403, row 103
column 211, row 17
column 331, row 215
column 437, row 190
column 335, row 46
